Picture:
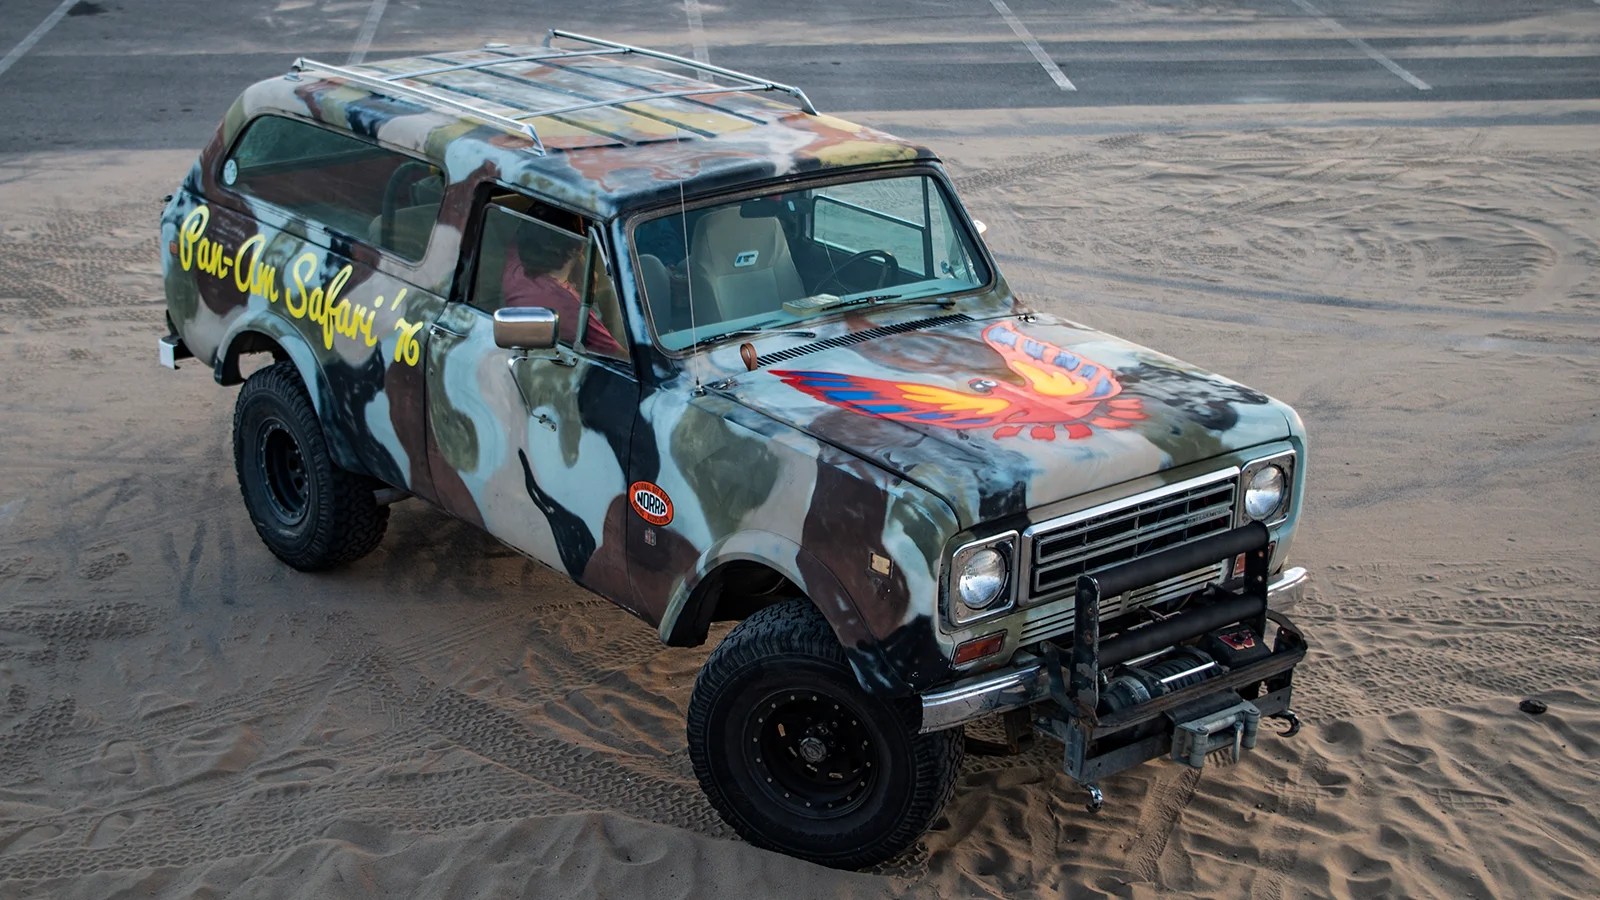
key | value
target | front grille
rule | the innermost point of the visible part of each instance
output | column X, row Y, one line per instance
column 1059, row 617
column 1127, row 530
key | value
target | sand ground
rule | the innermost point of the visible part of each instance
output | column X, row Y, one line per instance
column 182, row 715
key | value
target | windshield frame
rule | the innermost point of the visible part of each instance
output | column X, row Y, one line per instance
column 960, row 220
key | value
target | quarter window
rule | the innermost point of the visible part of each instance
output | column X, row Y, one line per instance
column 341, row 182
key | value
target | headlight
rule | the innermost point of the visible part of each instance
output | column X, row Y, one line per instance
column 983, row 583
column 982, row 578
column 1263, row 496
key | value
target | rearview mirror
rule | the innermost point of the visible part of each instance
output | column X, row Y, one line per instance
column 526, row 328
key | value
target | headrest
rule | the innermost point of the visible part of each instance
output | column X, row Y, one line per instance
column 727, row 243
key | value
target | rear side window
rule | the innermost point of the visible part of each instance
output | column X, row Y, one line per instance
column 342, row 182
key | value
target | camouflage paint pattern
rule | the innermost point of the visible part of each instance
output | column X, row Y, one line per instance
column 824, row 469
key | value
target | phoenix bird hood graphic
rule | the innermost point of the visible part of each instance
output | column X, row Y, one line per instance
column 1003, row 416
column 1060, row 390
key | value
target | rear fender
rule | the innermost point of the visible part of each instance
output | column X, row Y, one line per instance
column 248, row 334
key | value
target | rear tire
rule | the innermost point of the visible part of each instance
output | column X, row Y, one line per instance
column 797, row 758
column 310, row 513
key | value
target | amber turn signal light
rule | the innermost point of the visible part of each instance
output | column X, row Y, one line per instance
column 978, row 648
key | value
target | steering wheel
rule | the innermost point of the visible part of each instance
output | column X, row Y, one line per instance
column 890, row 266
column 400, row 180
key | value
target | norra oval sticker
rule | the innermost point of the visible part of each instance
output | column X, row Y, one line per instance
column 650, row 502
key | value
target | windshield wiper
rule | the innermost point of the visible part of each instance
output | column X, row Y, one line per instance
column 744, row 331
column 752, row 332
column 818, row 303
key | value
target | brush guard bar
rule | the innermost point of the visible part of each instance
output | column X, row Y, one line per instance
column 1195, row 720
column 1061, row 686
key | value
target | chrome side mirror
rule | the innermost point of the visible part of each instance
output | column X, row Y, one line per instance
column 526, row 328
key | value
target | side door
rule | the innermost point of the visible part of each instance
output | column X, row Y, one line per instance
column 533, row 446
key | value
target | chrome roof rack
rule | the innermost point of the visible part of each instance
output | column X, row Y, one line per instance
column 751, row 82
column 389, row 84
column 517, row 122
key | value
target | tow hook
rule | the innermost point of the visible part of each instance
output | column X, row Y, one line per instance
column 1289, row 716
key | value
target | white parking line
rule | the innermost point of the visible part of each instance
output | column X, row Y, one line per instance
column 697, row 30
column 1365, row 47
column 49, row 22
column 369, row 29
column 1028, row 41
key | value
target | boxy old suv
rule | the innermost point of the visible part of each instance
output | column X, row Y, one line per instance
column 716, row 357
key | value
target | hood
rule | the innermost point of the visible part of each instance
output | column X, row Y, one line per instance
column 1001, row 416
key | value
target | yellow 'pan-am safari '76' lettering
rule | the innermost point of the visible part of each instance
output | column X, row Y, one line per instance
column 303, row 296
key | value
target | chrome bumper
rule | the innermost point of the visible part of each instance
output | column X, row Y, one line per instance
column 1024, row 682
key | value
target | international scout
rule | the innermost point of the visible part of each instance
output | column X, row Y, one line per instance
column 714, row 355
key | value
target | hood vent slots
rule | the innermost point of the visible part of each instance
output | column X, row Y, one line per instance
column 857, row 337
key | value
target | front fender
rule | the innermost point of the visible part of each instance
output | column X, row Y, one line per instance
column 687, row 605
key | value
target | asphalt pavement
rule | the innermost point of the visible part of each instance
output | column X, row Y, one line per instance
column 159, row 74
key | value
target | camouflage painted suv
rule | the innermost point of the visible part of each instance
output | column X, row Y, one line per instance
column 716, row 357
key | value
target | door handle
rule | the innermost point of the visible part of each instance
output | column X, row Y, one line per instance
column 436, row 328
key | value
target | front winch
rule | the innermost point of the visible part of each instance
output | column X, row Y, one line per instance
column 1138, row 684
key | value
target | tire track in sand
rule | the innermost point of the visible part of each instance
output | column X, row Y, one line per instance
column 1157, row 820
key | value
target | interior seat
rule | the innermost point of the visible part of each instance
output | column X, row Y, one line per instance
column 657, row 282
column 741, row 266
column 413, row 224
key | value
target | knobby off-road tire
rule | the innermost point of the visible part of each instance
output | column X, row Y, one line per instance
column 311, row 514
column 797, row 758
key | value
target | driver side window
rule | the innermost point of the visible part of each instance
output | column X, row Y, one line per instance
column 526, row 261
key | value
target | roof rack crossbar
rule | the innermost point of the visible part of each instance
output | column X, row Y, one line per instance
column 383, row 84
column 487, row 63
column 754, row 82
column 747, row 115
column 579, row 95
column 623, row 101
column 474, row 93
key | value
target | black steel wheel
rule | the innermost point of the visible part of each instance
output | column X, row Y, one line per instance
column 309, row 512
column 817, row 756
column 797, row 758
column 282, row 469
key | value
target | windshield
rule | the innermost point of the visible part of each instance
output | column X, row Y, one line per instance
column 787, row 257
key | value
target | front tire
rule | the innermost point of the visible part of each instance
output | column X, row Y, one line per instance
column 797, row 758
column 310, row 513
